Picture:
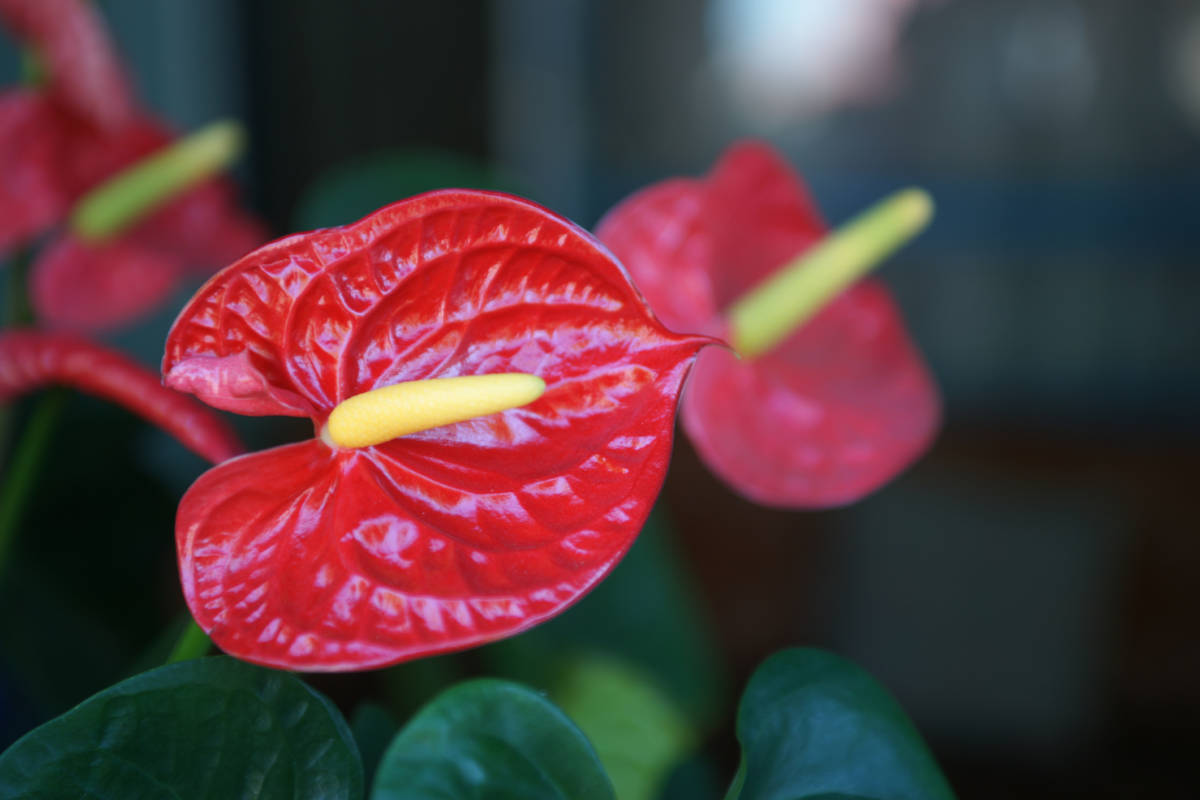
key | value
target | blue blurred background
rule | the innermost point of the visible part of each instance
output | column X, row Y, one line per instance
column 1028, row 589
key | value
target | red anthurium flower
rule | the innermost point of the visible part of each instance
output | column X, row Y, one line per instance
column 317, row 556
column 824, row 417
column 57, row 144
column 30, row 360
column 91, row 285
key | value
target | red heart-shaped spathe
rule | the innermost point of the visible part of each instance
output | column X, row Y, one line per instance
column 832, row 412
column 309, row 557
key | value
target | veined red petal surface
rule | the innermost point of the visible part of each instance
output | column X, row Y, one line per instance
column 309, row 557
column 827, row 416
column 85, row 74
column 30, row 360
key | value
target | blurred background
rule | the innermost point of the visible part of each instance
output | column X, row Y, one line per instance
column 1027, row 590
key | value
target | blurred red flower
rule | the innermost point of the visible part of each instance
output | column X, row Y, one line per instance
column 316, row 557
column 59, row 142
column 826, row 416
column 84, row 76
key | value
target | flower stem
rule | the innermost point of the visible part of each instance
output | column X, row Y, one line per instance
column 33, row 68
column 768, row 314
column 193, row 643
column 16, row 312
column 130, row 195
column 26, row 463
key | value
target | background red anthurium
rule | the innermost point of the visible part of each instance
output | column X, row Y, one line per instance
column 826, row 416
column 315, row 557
column 61, row 140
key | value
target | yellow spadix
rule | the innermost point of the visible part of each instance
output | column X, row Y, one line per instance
column 768, row 314
column 381, row 415
column 136, row 191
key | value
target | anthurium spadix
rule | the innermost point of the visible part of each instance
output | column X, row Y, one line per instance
column 492, row 405
column 824, row 398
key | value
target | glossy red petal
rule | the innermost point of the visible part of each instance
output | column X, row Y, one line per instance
column 90, row 287
column 831, row 413
column 85, row 74
column 305, row 559
column 234, row 383
column 310, row 558
column 30, row 360
column 823, row 419
column 32, row 195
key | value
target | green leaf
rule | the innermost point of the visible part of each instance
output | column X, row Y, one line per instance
column 813, row 724
column 636, row 729
column 210, row 727
column 490, row 740
column 352, row 190
column 646, row 614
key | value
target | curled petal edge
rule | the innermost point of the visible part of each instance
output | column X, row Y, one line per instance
column 233, row 383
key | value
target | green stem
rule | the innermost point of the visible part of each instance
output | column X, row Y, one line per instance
column 739, row 781
column 16, row 312
column 130, row 195
column 192, row 643
column 26, row 463
column 768, row 314
column 33, row 68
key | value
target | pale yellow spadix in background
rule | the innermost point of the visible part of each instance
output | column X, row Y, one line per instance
column 136, row 191
column 770, row 312
column 381, row 415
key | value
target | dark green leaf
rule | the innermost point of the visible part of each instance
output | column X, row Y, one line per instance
column 490, row 740
column 812, row 724
column 636, row 729
column 351, row 191
column 211, row 727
